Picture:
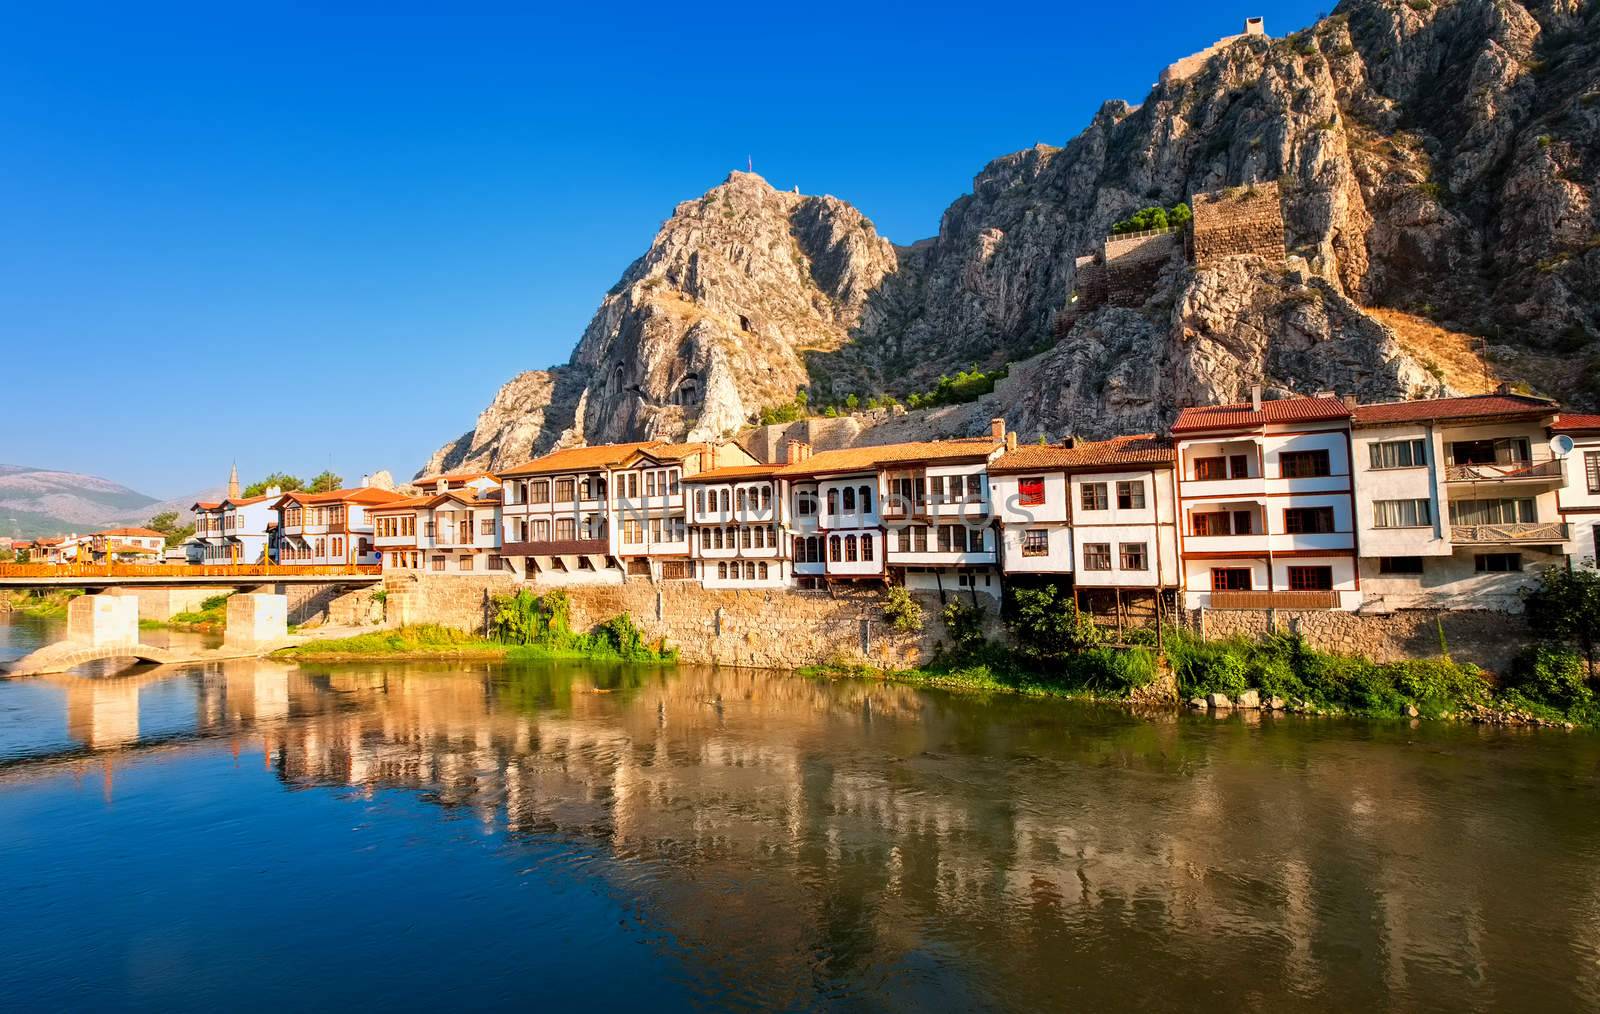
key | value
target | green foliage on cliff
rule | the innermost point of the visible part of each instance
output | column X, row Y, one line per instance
column 965, row 386
column 1154, row 217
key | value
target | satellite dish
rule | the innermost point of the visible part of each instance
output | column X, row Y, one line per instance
column 1561, row 445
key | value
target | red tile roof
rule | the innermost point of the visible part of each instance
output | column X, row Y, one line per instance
column 580, row 459
column 243, row 501
column 433, row 480
column 863, row 459
column 1243, row 416
column 1477, row 406
column 206, row 505
column 141, row 532
column 1134, row 449
column 732, row 472
column 1573, row 422
column 359, row 494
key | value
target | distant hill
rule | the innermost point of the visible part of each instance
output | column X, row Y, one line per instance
column 41, row 501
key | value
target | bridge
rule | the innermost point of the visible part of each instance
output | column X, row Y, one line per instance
column 65, row 655
column 111, row 575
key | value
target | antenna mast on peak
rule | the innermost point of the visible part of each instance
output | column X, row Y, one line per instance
column 749, row 163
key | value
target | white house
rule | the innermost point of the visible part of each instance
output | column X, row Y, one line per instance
column 127, row 545
column 1580, row 496
column 1459, row 500
column 332, row 528
column 452, row 527
column 1267, row 505
column 737, row 530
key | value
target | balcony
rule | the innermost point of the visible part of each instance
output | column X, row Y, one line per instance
column 557, row 547
column 1549, row 470
column 1274, row 600
column 1508, row 535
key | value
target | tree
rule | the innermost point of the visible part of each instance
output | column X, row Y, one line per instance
column 903, row 612
column 283, row 480
column 167, row 524
column 7, row 555
column 1045, row 623
column 1566, row 608
column 324, row 483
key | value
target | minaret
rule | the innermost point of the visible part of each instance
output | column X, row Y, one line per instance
column 233, row 482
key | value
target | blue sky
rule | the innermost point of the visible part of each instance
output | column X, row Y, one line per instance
column 309, row 239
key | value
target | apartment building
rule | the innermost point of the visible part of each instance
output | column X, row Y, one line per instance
column 1266, row 505
column 127, row 545
column 1102, row 511
column 455, row 528
column 914, row 514
column 236, row 529
column 1580, row 496
column 335, row 527
column 1460, row 499
column 737, row 527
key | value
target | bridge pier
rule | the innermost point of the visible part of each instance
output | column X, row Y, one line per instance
column 100, row 621
column 256, row 619
column 162, row 604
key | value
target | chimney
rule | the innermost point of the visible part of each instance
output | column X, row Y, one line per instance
column 1503, row 388
column 365, row 479
column 795, row 451
column 1255, row 397
column 1349, row 400
column 997, row 429
column 1011, row 441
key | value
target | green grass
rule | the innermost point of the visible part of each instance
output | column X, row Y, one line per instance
column 213, row 613
column 46, row 604
column 432, row 640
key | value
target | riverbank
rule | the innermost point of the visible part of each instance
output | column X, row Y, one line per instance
column 431, row 641
column 41, row 604
column 1275, row 673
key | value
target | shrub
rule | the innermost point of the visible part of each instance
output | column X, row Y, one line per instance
column 1046, row 624
column 964, row 624
column 1565, row 608
column 1155, row 217
column 903, row 612
column 1554, row 677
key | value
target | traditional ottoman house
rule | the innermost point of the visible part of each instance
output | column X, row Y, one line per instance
column 453, row 529
column 915, row 514
column 1580, row 493
column 1267, row 505
column 331, row 528
column 236, row 528
column 738, row 536
column 1103, row 511
column 127, row 545
column 1459, row 500
column 650, row 536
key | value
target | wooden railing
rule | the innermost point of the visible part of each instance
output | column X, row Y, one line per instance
column 1516, row 533
column 557, row 547
column 1274, row 600
column 169, row 571
column 1550, row 469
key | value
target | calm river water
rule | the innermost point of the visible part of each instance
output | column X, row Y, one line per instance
column 265, row 836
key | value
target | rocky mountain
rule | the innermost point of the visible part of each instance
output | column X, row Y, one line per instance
column 38, row 501
column 1433, row 159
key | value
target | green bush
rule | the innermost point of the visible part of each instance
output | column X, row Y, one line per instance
column 1155, row 217
column 1045, row 623
column 964, row 624
column 1554, row 677
column 965, row 386
column 903, row 612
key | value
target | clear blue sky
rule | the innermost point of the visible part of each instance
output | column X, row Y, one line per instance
column 322, row 239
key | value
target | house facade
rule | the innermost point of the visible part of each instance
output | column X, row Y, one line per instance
column 332, row 528
column 1266, row 505
column 453, row 529
column 127, row 545
column 738, row 530
column 1460, row 500
column 236, row 529
column 1580, row 495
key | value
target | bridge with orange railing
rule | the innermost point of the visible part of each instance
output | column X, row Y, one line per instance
column 109, row 575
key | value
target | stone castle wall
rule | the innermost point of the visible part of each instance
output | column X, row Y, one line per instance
column 1133, row 265
column 1482, row 637
column 1240, row 220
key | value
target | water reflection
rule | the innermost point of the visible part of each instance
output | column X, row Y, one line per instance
column 799, row 842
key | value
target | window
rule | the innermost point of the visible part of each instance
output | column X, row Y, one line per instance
column 766, row 498
column 1591, row 470
column 1030, row 491
column 866, row 499
column 850, row 548
column 1311, row 578
column 1133, row 556
column 1399, row 453
column 1206, row 469
column 539, row 491
column 1399, row 564
column 466, row 563
column 672, row 482
column 1497, row 563
column 1230, row 579
column 975, row 488
column 1222, row 523
column 1401, row 514
column 496, row 562
column 566, row 528
column 833, row 501
column 1303, row 464
column 1130, row 496
column 1036, row 542
column 486, row 526
column 699, row 501
column 438, row 563
column 835, row 548
column 1238, row 466
column 1092, row 496
column 726, row 501
column 1097, row 556
column 866, row 549
column 564, row 490
column 1307, row 520
column 919, row 538
column 632, row 531
column 1503, row 451
column 1492, row 512
column 849, row 500
column 805, row 503
column 746, row 535
column 722, row 571
column 936, row 489
column 541, row 529
column 738, row 500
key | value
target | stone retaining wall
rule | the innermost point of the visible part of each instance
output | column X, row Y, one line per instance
column 451, row 600
column 1487, row 639
column 1243, row 220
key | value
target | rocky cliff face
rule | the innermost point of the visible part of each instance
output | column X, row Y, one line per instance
column 1435, row 157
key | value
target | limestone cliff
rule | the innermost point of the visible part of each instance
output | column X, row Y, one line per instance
column 1438, row 158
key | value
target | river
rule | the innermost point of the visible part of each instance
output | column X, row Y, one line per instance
column 256, row 835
